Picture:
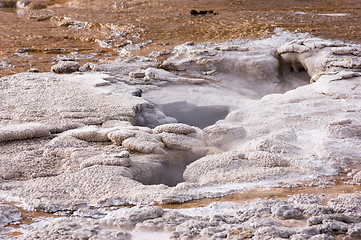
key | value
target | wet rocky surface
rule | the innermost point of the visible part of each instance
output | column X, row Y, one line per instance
column 37, row 33
column 95, row 145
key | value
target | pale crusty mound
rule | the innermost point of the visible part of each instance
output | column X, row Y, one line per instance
column 85, row 139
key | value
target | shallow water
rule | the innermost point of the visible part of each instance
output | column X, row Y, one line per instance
column 99, row 30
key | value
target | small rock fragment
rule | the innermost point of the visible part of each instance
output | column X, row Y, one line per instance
column 322, row 237
column 139, row 214
column 201, row 12
column 357, row 177
column 35, row 70
column 65, row 67
column 286, row 211
column 137, row 74
column 137, row 92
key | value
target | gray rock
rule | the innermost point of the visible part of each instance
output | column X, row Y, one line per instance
column 300, row 237
column 8, row 214
column 33, row 70
column 167, row 222
column 355, row 230
column 65, row 67
column 314, row 209
column 310, row 231
column 143, row 213
column 346, row 203
column 357, row 177
column 193, row 226
column 210, row 231
column 137, row 74
column 322, row 237
column 75, row 228
column 345, row 218
column 137, row 92
column 286, row 211
column 275, row 232
column 334, row 227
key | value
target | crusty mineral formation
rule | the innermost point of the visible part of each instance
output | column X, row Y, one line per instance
column 285, row 109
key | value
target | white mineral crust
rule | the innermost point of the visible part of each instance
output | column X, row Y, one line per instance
column 71, row 141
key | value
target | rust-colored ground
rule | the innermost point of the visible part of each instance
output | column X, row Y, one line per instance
column 45, row 33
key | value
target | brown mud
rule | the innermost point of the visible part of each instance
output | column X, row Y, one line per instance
column 37, row 35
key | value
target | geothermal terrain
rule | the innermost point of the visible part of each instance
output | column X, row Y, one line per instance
column 237, row 139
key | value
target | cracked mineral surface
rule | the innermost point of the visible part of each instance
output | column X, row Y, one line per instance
column 107, row 147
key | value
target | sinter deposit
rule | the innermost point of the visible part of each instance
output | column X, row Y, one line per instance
column 212, row 119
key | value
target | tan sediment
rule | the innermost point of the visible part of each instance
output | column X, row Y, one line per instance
column 165, row 23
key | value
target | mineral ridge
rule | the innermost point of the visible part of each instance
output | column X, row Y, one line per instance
column 80, row 140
